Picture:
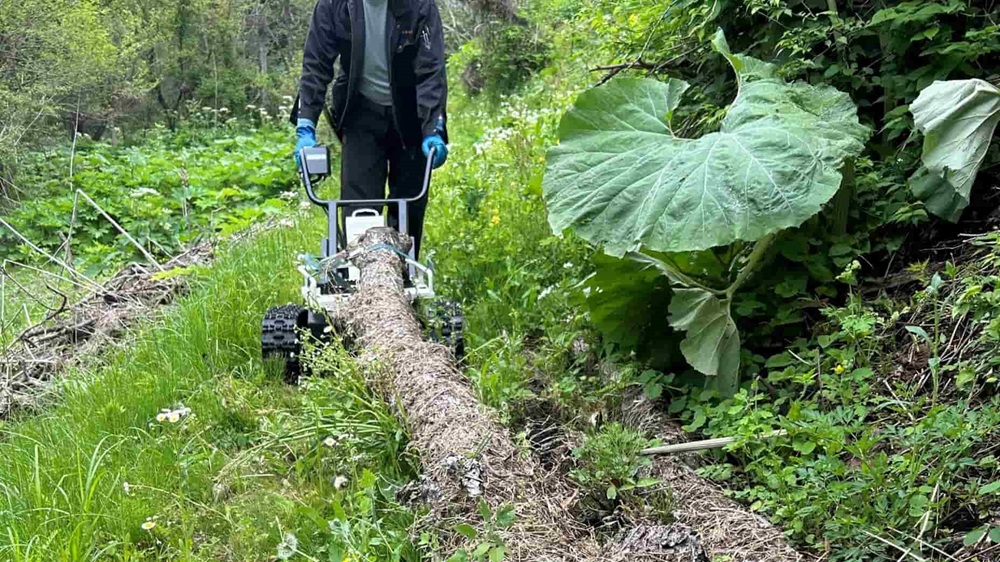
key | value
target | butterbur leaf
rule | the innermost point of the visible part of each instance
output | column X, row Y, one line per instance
column 623, row 179
column 712, row 345
column 958, row 119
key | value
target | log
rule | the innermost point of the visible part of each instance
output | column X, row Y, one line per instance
column 725, row 529
column 466, row 454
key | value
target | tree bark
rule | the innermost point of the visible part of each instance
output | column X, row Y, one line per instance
column 725, row 529
column 467, row 456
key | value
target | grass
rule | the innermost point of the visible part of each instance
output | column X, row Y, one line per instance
column 227, row 481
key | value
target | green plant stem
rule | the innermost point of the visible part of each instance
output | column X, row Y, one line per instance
column 754, row 262
column 672, row 272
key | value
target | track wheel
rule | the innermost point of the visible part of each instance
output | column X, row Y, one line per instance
column 444, row 323
column 280, row 338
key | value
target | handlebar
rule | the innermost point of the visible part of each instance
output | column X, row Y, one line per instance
column 307, row 181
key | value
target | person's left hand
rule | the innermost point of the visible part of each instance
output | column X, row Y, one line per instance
column 441, row 150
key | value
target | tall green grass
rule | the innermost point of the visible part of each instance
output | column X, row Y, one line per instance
column 80, row 479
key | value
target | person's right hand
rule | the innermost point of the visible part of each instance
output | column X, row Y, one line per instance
column 306, row 134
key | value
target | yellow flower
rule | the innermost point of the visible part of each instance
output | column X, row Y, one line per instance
column 149, row 525
column 839, row 369
column 495, row 220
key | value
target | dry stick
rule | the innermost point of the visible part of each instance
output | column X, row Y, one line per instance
column 923, row 524
column 896, row 546
column 53, row 259
column 924, row 543
column 704, row 445
column 3, row 267
column 124, row 232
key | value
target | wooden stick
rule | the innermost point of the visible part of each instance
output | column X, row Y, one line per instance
column 703, row 445
column 124, row 232
column 51, row 258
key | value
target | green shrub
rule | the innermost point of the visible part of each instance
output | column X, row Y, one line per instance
column 513, row 53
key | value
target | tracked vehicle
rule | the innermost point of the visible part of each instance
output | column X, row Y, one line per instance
column 330, row 280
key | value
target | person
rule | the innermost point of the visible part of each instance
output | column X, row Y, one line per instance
column 389, row 99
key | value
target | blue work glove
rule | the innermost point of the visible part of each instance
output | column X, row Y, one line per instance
column 441, row 156
column 306, row 133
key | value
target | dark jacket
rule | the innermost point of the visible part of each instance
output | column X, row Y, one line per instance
column 416, row 65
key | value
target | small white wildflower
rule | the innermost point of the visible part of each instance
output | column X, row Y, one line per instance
column 568, row 265
column 329, row 441
column 149, row 525
column 206, row 109
column 339, row 482
column 288, row 547
column 128, row 488
column 251, row 107
column 173, row 417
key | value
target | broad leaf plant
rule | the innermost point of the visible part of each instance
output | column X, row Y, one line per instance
column 623, row 179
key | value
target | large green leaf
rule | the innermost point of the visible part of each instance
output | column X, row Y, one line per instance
column 712, row 345
column 958, row 119
column 621, row 178
column 625, row 285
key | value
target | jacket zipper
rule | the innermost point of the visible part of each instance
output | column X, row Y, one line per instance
column 347, row 102
column 391, row 47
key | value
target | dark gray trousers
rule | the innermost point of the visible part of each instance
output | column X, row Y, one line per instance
column 373, row 153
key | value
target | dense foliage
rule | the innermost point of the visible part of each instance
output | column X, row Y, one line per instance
column 171, row 191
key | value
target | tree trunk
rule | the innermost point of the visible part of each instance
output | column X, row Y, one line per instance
column 467, row 456
column 724, row 528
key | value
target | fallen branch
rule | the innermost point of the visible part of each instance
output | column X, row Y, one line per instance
column 705, row 445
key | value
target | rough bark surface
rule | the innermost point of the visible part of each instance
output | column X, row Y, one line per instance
column 673, row 543
column 466, row 454
column 725, row 529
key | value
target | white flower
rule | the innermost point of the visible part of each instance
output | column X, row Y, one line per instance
column 128, row 488
column 330, row 442
column 288, row 547
column 339, row 482
column 149, row 525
